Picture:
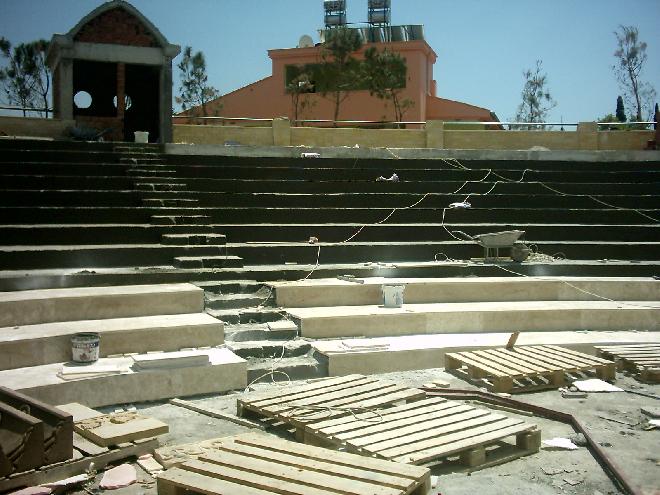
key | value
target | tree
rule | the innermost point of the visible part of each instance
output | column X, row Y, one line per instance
column 339, row 69
column 620, row 110
column 536, row 98
column 385, row 74
column 26, row 79
column 299, row 88
column 631, row 58
column 194, row 90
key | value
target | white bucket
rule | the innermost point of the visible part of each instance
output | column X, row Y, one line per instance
column 393, row 296
column 85, row 347
column 141, row 136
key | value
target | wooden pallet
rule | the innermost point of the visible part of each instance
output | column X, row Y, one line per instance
column 642, row 358
column 325, row 399
column 429, row 431
column 258, row 464
column 526, row 368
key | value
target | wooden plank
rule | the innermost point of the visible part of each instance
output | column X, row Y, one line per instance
column 545, row 358
column 522, row 360
column 467, row 422
column 383, row 422
column 275, row 470
column 214, row 413
column 410, row 394
column 114, row 429
column 253, row 480
column 455, row 447
column 577, row 355
column 327, row 398
column 494, row 355
column 413, row 451
column 320, row 386
column 466, row 359
column 178, row 481
column 421, row 405
column 340, row 458
column 414, row 433
column 319, row 465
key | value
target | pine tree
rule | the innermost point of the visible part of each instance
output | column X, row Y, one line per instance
column 620, row 110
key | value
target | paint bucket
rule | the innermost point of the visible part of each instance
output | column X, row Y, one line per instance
column 85, row 347
column 393, row 296
column 141, row 136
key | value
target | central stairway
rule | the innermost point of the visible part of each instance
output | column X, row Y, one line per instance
column 101, row 214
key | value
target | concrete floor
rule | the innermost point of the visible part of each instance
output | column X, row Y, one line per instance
column 547, row 472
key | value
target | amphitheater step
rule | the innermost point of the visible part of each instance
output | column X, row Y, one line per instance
column 236, row 300
column 159, row 186
column 167, row 202
column 225, row 372
column 270, row 349
column 249, row 315
column 481, row 317
column 208, row 261
column 367, row 291
column 34, row 345
column 180, row 219
column 388, row 354
column 197, row 239
column 91, row 303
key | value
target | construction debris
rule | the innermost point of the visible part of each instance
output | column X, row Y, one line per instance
column 118, row 477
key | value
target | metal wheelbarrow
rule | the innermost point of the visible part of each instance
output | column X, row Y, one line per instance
column 493, row 241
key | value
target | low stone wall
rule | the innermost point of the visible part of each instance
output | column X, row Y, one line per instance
column 435, row 135
column 34, row 127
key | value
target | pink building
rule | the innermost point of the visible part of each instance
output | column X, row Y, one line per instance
column 268, row 98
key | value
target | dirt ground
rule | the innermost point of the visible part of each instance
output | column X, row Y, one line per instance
column 550, row 471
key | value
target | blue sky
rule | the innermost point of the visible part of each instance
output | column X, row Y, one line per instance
column 483, row 46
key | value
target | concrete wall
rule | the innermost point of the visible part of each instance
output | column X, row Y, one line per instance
column 34, row 127
column 586, row 137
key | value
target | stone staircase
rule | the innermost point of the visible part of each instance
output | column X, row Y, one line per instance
column 98, row 214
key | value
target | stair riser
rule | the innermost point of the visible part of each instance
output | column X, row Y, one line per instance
column 346, row 253
column 99, row 257
column 481, row 322
column 209, row 263
column 233, row 303
column 270, row 351
column 48, row 350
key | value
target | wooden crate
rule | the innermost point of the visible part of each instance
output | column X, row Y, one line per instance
column 327, row 398
column 642, row 358
column 258, row 464
column 429, row 431
column 526, row 368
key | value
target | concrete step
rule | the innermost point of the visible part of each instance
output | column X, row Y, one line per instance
column 229, row 286
column 475, row 159
column 196, row 239
column 34, row 345
column 236, row 300
column 208, row 261
column 127, row 233
column 167, row 202
column 160, row 186
column 31, row 307
column 266, row 349
column 388, row 354
column 475, row 188
column 303, row 253
column 67, row 169
column 236, row 316
column 476, row 317
column 142, row 173
column 332, row 216
column 367, row 291
column 432, row 200
column 423, row 173
column 335, row 232
column 271, row 331
column 293, row 368
column 225, row 372
column 174, row 219
column 69, row 198
column 50, row 182
column 96, row 256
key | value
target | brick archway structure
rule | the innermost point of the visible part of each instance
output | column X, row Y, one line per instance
column 113, row 71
